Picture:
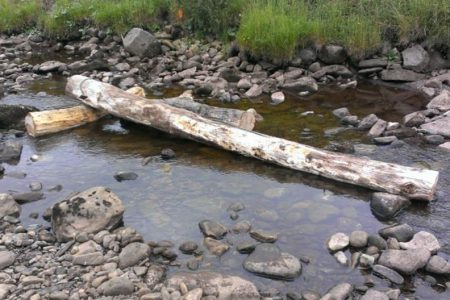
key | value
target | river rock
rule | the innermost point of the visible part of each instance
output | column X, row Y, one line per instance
column 341, row 112
column 10, row 151
column 367, row 122
column 386, row 205
column 438, row 265
column 339, row 292
column 358, row 239
column 142, row 43
column 414, row 119
column 254, row 91
column 215, row 247
column 385, row 140
column 117, row 286
column 373, row 294
column 9, row 207
column 212, row 229
column 303, row 84
column 277, row 98
column 373, row 63
column 405, row 261
column 336, row 71
column 332, row 54
column 401, row 75
column 132, row 254
column 445, row 146
column 122, row 176
column 268, row 260
column 13, row 116
column 422, row 239
column 23, row 198
column 439, row 127
column 338, row 241
column 51, row 66
column 90, row 211
column 155, row 274
column 188, row 247
column 440, row 102
column 434, row 139
column 89, row 259
column 378, row 128
column 264, row 236
column 224, row 286
column 415, row 58
column 341, row 258
column 376, row 241
column 7, row 258
column 388, row 273
column 401, row 232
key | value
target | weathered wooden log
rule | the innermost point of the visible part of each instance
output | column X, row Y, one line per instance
column 413, row 183
column 40, row 123
column 51, row 121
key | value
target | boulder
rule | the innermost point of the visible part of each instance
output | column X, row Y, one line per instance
column 142, row 43
column 332, row 54
column 401, row 75
column 10, row 151
column 401, row 232
column 440, row 102
column 438, row 265
column 303, row 84
column 415, row 58
column 90, row 211
column 13, row 116
column 422, row 239
column 267, row 260
column 438, row 127
column 8, row 207
column 386, row 205
column 226, row 287
column 405, row 261
column 414, row 119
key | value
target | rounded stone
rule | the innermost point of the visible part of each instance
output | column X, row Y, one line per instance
column 338, row 242
column 358, row 239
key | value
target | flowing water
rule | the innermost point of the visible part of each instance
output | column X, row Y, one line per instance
column 169, row 198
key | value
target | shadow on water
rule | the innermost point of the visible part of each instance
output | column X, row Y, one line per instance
column 169, row 198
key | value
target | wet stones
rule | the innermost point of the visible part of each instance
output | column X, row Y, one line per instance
column 91, row 211
column 268, row 260
column 358, row 239
column 212, row 229
column 10, row 151
column 424, row 240
column 124, row 176
column 388, row 273
column 386, row 205
column 338, row 242
column 401, row 232
column 28, row 197
column 132, row 254
column 215, row 247
column 405, row 261
column 438, row 265
column 264, row 236
column 8, row 207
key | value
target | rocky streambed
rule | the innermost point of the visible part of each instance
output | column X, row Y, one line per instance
column 198, row 223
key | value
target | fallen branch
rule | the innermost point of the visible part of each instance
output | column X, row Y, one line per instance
column 413, row 183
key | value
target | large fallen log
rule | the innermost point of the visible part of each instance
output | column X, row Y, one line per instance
column 41, row 123
column 413, row 183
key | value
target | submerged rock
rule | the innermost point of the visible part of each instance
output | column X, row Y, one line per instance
column 10, row 151
column 23, row 198
column 268, row 260
column 212, row 229
column 90, row 211
column 389, row 274
column 123, row 176
column 386, row 205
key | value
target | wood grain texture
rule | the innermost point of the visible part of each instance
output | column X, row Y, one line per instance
column 413, row 183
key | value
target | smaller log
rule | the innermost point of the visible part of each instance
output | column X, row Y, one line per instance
column 40, row 123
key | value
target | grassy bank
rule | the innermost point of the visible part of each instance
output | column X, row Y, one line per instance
column 271, row 28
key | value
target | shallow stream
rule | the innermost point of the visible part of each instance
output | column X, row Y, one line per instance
column 169, row 198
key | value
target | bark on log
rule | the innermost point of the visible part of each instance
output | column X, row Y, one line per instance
column 40, row 123
column 46, row 122
column 413, row 183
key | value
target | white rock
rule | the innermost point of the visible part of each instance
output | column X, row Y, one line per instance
column 338, row 241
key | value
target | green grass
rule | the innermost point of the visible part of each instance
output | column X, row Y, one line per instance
column 268, row 28
column 18, row 15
